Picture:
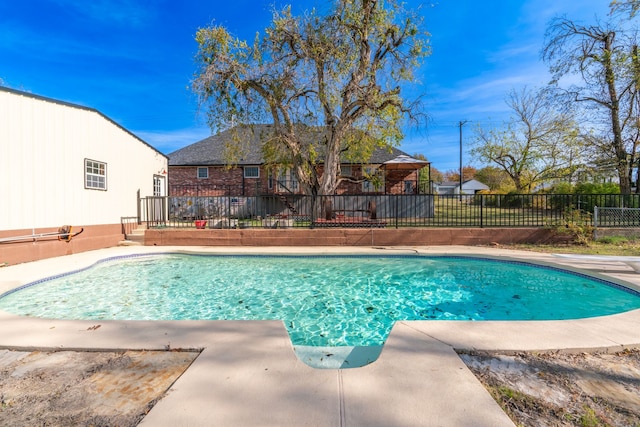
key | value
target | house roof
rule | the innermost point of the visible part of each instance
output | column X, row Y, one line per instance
column 455, row 184
column 81, row 107
column 210, row 151
column 476, row 184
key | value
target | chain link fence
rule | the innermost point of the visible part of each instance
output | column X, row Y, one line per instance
column 615, row 217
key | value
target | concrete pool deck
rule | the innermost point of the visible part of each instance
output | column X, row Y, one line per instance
column 248, row 374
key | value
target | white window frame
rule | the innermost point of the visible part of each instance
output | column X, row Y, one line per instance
column 289, row 180
column 95, row 175
column 270, row 180
column 251, row 168
column 158, row 186
column 201, row 168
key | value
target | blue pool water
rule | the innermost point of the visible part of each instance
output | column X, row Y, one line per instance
column 323, row 300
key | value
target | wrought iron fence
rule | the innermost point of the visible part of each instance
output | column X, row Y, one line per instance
column 369, row 210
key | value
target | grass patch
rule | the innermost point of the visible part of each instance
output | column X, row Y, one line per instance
column 590, row 419
column 517, row 404
column 616, row 240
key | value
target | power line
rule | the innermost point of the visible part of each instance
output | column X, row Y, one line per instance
column 448, row 123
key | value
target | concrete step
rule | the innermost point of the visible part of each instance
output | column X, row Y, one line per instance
column 130, row 243
column 136, row 237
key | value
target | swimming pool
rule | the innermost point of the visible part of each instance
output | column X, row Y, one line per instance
column 322, row 300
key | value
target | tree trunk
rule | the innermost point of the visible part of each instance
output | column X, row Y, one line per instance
column 331, row 171
column 622, row 165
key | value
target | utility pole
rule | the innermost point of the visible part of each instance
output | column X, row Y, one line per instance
column 460, row 124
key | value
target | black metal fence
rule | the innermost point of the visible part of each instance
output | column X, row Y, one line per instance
column 416, row 210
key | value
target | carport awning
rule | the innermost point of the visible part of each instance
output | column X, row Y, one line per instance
column 404, row 162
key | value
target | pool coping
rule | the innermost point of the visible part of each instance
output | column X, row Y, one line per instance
column 248, row 371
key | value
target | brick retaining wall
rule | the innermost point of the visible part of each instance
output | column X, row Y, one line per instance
column 93, row 237
column 349, row 237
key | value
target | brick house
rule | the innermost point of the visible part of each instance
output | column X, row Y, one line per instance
column 202, row 169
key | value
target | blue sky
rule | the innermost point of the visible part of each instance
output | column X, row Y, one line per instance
column 133, row 60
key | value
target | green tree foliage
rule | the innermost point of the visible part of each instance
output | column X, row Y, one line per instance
column 625, row 6
column 497, row 179
column 331, row 84
column 537, row 144
column 453, row 175
column 436, row 175
column 427, row 175
column 559, row 195
column 605, row 59
column 596, row 188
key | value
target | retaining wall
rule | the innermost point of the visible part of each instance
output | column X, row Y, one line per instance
column 350, row 237
column 93, row 237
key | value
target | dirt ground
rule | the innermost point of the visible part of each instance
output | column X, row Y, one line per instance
column 68, row 388
column 118, row 388
column 559, row 389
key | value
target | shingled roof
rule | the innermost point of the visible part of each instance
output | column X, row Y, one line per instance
column 210, row 151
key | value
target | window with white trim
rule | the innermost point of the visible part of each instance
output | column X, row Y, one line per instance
column 203, row 173
column 158, row 186
column 287, row 180
column 251, row 172
column 95, row 175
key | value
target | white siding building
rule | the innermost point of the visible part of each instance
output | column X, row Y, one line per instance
column 470, row 186
column 64, row 164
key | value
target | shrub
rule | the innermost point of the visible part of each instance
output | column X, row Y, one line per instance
column 577, row 224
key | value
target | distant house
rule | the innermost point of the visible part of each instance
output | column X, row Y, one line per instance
column 470, row 186
column 203, row 168
column 65, row 164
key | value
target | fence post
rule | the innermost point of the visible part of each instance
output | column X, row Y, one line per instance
column 595, row 222
column 395, row 208
column 481, row 210
column 139, row 213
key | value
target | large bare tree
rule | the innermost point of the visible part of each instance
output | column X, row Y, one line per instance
column 605, row 60
column 331, row 84
column 538, row 143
